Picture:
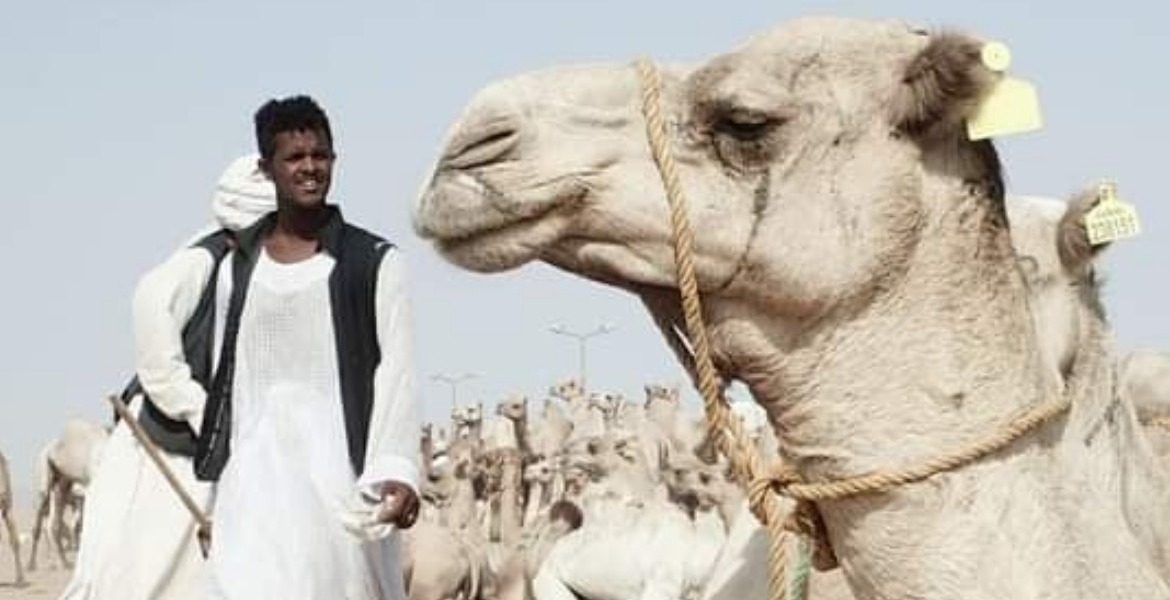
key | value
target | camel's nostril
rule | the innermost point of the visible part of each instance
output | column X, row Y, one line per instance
column 481, row 145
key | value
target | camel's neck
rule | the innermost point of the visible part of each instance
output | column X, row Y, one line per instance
column 947, row 353
column 462, row 508
column 510, row 515
column 520, row 433
column 427, row 458
column 945, row 358
column 533, row 503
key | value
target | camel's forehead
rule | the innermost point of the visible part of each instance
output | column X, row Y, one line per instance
column 827, row 37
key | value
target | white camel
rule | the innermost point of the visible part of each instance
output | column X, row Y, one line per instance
column 655, row 548
column 858, row 276
column 64, row 464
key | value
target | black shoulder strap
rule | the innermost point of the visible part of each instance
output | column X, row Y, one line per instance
column 353, row 297
column 212, row 448
column 198, row 333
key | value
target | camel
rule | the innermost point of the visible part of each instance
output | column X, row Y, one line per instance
column 857, row 275
column 467, row 422
column 538, row 479
column 443, row 558
column 612, row 407
column 555, row 429
column 441, row 563
column 6, row 507
column 515, row 411
column 658, row 548
column 587, row 420
column 663, row 408
column 64, row 464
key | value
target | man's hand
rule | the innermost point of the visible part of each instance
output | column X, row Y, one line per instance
column 399, row 504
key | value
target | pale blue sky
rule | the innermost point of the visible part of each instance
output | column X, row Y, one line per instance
column 119, row 115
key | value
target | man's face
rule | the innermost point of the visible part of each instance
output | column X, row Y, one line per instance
column 301, row 167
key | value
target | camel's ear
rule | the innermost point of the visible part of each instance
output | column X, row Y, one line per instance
column 942, row 86
column 1072, row 237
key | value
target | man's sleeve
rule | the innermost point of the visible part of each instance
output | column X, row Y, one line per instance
column 164, row 300
column 392, row 447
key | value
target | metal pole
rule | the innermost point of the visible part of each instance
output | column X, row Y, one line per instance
column 581, row 361
column 453, row 381
column 582, row 340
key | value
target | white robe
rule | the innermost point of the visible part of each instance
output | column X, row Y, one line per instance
column 281, row 499
column 139, row 540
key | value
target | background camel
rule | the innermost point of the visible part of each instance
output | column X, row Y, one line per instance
column 858, row 276
column 65, row 466
column 6, row 506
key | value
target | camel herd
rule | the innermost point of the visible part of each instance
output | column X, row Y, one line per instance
column 591, row 495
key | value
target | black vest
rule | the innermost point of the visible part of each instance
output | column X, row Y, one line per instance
column 352, row 290
column 169, row 434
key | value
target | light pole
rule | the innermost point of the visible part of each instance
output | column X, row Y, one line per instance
column 582, row 338
column 454, row 381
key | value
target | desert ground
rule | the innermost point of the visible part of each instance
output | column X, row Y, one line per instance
column 46, row 582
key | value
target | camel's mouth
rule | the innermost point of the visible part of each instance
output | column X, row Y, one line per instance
column 478, row 228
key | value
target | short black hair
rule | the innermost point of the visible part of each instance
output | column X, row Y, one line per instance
column 294, row 113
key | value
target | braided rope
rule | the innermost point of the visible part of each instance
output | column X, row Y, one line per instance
column 726, row 431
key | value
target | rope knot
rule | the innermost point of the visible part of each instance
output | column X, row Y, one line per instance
column 760, row 491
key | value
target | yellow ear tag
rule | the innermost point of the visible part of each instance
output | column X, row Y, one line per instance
column 1111, row 219
column 1012, row 106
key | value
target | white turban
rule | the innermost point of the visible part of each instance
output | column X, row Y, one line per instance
column 243, row 194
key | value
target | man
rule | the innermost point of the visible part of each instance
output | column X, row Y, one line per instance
column 312, row 404
column 139, row 542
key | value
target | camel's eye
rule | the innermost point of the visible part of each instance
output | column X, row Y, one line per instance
column 743, row 138
column 744, row 125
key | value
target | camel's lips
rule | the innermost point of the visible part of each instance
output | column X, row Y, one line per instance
column 477, row 228
column 459, row 208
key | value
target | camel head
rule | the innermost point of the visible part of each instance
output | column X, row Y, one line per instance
column 514, row 408
column 778, row 145
column 845, row 225
column 660, row 395
column 569, row 391
column 609, row 404
column 467, row 417
column 539, row 472
column 695, row 486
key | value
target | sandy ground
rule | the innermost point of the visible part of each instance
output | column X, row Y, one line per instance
column 45, row 583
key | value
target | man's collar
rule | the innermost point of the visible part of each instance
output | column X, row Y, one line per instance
column 329, row 235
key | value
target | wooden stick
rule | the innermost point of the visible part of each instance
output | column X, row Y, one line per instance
column 155, row 455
